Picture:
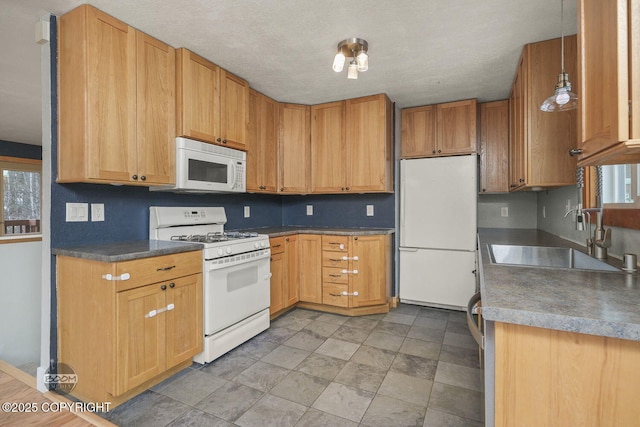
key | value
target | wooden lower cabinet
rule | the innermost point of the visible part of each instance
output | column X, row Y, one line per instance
column 325, row 272
column 125, row 334
column 284, row 273
column 547, row 377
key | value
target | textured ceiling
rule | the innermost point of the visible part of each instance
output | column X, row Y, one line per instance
column 420, row 51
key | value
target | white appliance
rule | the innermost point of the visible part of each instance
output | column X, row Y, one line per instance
column 236, row 274
column 207, row 168
column 438, row 227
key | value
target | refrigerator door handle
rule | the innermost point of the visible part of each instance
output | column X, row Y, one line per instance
column 408, row 249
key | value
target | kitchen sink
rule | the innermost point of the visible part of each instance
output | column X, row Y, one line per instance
column 541, row 256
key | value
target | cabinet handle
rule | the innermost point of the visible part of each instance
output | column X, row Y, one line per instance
column 143, row 178
column 224, row 141
column 335, row 275
column 165, row 268
column 342, row 188
column 276, row 246
column 163, row 287
column 484, row 190
column 335, row 295
column 341, row 245
column 134, row 177
column 281, row 188
column 575, row 151
column 172, row 285
column 349, row 271
column 344, row 258
column 286, row 239
column 433, row 152
column 348, row 188
column 123, row 276
column 218, row 139
column 439, row 151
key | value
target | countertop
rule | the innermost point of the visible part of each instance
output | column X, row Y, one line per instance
column 126, row 251
column 589, row 302
column 289, row 230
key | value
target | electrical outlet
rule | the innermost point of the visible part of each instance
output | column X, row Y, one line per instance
column 309, row 210
column 77, row 212
column 247, row 211
column 504, row 211
column 369, row 210
column 97, row 212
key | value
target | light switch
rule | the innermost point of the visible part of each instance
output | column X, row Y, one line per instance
column 77, row 212
column 247, row 211
column 369, row 210
column 309, row 210
column 504, row 211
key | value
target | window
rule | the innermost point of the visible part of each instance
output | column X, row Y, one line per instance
column 621, row 185
column 20, row 193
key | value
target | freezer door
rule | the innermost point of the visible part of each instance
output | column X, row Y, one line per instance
column 435, row 277
column 438, row 199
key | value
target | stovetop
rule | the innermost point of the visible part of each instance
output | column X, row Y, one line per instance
column 214, row 237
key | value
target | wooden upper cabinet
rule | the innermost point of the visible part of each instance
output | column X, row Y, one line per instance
column 517, row 125
column 262, row 144
column 439, row 130
column 369, row 149
column 294, row 147
column 328, row 151
column 116, row 102
column 457, row 128
column 212, row 104
column 542, row 140
column 609, row 81
column 351, row 148
column 494, row 147
column 418, row 131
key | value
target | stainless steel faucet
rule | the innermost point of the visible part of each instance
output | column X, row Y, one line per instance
column 601, row 236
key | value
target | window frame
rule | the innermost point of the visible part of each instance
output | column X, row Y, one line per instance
column 29, row 165
column 614, row 216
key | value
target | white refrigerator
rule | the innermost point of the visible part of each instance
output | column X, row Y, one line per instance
column 438, row 227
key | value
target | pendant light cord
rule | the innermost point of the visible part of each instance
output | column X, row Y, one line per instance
column 562, row 33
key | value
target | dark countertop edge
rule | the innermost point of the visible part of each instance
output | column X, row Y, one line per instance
column 290, row 230
column 126, row 251
column 569, row 323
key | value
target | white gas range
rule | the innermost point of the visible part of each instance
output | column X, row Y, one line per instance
column 236, row 274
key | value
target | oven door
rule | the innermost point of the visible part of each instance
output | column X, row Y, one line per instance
column 235, row 288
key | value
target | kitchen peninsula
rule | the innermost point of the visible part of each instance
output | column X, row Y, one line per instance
column 562, row 346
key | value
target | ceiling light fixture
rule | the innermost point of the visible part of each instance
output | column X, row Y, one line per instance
column 563, row 99
column 356, row 49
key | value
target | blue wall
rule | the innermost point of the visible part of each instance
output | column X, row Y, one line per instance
column 24, row 151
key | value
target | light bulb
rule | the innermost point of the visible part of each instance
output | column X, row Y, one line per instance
column 338, row 62
column 562, row 98
column 363, row 61
column 352, row 71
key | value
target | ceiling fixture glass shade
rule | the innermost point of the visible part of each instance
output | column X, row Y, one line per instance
column 358, row 51
column 563, row 99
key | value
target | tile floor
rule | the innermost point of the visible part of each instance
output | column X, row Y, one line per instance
column 414, row 366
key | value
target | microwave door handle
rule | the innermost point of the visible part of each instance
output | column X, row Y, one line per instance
column 233, row 173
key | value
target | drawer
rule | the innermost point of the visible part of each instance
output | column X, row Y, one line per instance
column 146, row 271
column 334, row 275
column 335, row 243
column 332, row 295
column 335, row 259
column 277, row 245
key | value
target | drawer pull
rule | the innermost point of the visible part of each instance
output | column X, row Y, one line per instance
column 154, row 313
column 340, row 245
column 345, row 294
column 166, row 268
column 349, row 271
column 123, row 276
column 275, row 246
column 346, row 258
column 335, row 275
column 338, row 259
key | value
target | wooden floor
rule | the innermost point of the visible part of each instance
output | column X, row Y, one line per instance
column 18, row 387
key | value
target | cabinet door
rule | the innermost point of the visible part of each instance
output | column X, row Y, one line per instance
column 155, row 110
column 328, row 164
column 419, row 132
column 518, row 126
column 140, row 336
column 494, row 147
column 457, row 128
column 234, row 110
column 609, row 62
column 368, row 142
column 372, row 282
column 184, row 322
column 278, row 277
column 310, row 284
column 262, row 144
column 293, row 271
column 197, row 97
column 111, row 98
column 294, row 148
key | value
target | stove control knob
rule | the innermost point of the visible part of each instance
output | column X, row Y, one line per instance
column 263, row 244
column 228, row 250
column 220, row 251
column 256, row 245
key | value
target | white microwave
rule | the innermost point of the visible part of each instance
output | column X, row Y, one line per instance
column 207, row 168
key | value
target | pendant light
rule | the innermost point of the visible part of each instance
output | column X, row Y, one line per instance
column 563, row 99
column 358, row 50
